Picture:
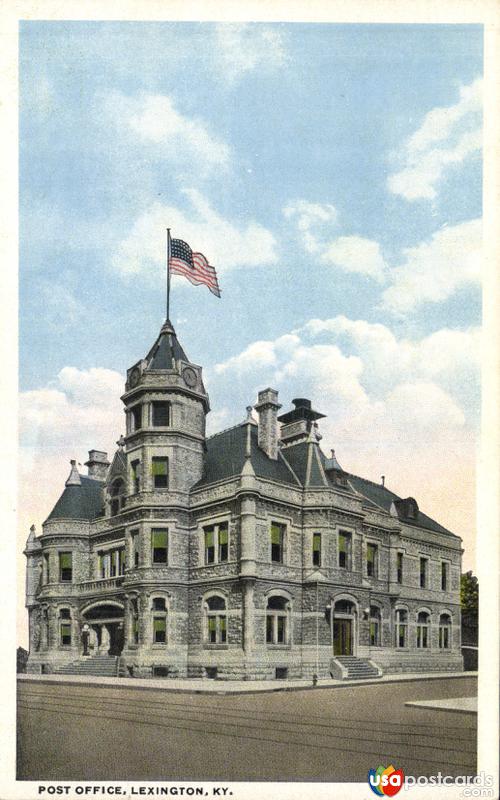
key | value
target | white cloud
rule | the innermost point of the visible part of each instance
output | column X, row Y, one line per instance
column 400, row 407
column 80, row 412
column 433, row 270
column 225, row 244
column 241, row 48
column 356, row 254
column 446, row 137
column 155, row 122
column 310, row 217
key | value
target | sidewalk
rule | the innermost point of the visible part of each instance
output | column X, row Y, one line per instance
column 208, row 686
column 464, row 705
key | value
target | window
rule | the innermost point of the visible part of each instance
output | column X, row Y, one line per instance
column 136, row 416
column 371, row 560
column 277, row 612
column 111, row 563
column 66, row 567
column 423, row 573
column 46, row 568
column 399, row 577
column 316, row 551
column 423, row 622
column 117, row 492
column 344, row 550
column 135, row 548
column 216, row 627
column 134, row 605
column 161, row 414
column 375, row 627
column 65, row 627
column 160, row 472
column 277, row 542
column 136, row 476
column 401, row 627
column 216, row 538
column 159, row 545
column 159, row 621
column 445, row 632
column 444, row 576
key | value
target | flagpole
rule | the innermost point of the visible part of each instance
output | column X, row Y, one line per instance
column 168, row 274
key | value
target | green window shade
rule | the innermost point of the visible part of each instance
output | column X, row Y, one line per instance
column 276, row 534
column 342, row 542
column 317, row 542
column 222, row 621
column 223, row 534
column 159, row 467
column 159, row 538
column 370, row 554
column 65, row 560
column 160, row 624
column 211, row 624
column 209, row 537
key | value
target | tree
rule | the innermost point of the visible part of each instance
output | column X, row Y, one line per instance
column 469, row 594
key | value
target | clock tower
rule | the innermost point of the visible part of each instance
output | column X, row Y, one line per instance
column 165, row 406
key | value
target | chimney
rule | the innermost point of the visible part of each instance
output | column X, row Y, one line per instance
column 97, row 464
column 267, row 408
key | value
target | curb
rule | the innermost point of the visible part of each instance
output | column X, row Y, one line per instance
column 131, row 683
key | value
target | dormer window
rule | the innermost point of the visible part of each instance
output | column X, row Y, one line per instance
column 161, row 414
column 117, row 492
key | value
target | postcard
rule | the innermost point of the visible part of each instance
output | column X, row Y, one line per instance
column 256, row 442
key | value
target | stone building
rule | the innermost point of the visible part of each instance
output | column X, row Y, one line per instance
column 247, row 554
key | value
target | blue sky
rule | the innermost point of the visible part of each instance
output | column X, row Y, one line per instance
column 331, row 174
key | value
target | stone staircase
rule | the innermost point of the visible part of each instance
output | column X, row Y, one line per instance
column 353, row 668
column 104, row 666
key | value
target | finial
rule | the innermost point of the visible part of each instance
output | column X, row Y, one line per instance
column 249, row 414
column 121, row 442
column 382, row 478
column 33, row 529
column 74, row 475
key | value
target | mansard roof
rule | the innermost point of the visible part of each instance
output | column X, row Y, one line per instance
column 79, row 501
column 225, row 458
column 381, row 497
column 166, row 350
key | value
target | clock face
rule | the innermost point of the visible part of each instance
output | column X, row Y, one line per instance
column 189, row 376
column 134, row 377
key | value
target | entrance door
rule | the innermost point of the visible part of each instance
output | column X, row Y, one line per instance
column 342, row 637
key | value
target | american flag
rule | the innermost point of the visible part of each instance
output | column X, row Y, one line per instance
column 194, row 266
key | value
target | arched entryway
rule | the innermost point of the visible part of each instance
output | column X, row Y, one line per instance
column 344, row 627
column 102, row 625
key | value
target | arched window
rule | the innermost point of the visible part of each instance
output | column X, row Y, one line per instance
column 401, row 627
column 375, row 626
column 423, row 627
column 216, row 620
column 445, row 631
column 117, row 492
column 65, row 627
column 277, row 620
column 159, row 620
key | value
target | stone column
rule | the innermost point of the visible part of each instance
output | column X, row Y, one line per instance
column 105, row 639
column 248, row 555
column 248, row 615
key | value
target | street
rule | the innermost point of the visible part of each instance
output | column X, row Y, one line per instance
column 68, row 732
